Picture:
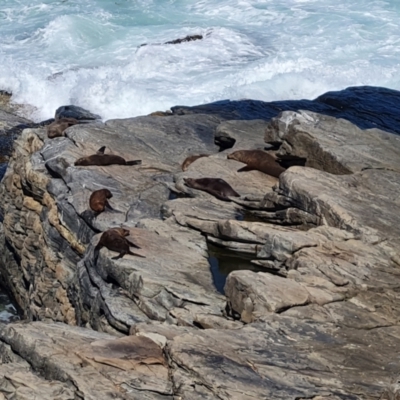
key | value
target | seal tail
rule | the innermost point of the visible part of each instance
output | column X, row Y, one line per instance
column 134, row 162
column 132, row 244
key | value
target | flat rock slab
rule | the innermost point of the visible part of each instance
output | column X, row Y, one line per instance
column 333, row 145
column 281, row 358
column 350, row 202
column 84, row 363
column 246, row 183
column 171, row 276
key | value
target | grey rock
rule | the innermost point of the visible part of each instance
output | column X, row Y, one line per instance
column 320, row 321
column 76, row 112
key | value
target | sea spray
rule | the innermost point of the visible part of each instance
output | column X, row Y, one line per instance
column 89, row 53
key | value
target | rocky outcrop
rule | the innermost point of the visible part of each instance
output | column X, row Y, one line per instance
column 320, row 320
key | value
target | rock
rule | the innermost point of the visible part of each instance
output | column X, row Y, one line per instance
column 324, row 239
column 81, row 362
column 76, row 112
column 333, row 145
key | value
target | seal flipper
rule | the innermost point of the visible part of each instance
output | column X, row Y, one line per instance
column 135, row 254
column 134, row 162
column 132, row 244
column 245, row 168
column 107, row 204
column 101, row 150
column 120, row 255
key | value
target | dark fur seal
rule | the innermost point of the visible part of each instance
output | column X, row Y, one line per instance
column 259, row 160
column 190, row 159
column 105, row 159
column 115, row 240
column 57, row 128
column 215, row 186
column 99, row 200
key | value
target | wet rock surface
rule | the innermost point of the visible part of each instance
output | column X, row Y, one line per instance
column 318, row 318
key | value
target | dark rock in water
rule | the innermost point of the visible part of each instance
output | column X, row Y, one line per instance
column 46, row 122
column 188, row 38
column 75, row 112
column 365, row 106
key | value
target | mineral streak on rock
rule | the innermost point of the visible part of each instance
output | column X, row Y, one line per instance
column 321, row 321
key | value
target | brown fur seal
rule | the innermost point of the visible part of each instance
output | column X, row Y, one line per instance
column 115, row 240
column 259, row 160
column 99, row 200
column 190, row 159
column 215, row 186
column 105, row 159
column 57, row 128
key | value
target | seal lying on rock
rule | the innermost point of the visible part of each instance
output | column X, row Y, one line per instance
column 215, row 186
column 105, row 159
column 115, row 240
column 259, row 160
column 99, row 200
column 57, row 128
column 190, row 159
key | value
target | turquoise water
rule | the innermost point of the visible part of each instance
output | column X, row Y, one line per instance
column 56, row 52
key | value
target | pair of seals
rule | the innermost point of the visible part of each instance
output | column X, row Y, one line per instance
column 114, row 239
column 259, row 160
column 57, row 128
column 215, row 186
column 104, row 159
column 99, row 200
column 190, row 159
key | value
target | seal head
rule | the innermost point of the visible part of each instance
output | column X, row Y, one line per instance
column 190, row 159
column 99, row 200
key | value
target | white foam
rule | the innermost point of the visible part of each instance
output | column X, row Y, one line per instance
column 267, row 50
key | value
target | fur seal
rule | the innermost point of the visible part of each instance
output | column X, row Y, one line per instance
column 99, row 200
column 214, row 186
column 190, row 159
column 115, row 240
column 105, row 159
column 57, row 128
column 259, row 160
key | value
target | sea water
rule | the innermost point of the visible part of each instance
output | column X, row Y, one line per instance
column 89, row 53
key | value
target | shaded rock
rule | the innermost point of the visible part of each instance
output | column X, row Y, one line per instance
column 76, row 112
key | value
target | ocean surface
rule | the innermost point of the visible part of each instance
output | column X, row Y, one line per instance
column 89, row 53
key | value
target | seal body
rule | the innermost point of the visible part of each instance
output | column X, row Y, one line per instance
column 190, row 159
column 104, row 159
column 99, row 200
column 57, row 128
column 259, row 160
column 114, row 239
column 215, row 186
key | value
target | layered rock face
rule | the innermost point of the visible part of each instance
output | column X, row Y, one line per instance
column 320, row 321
